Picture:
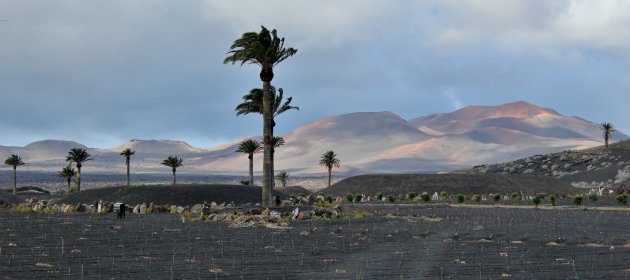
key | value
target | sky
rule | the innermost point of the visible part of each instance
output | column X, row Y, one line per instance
column 103, row 72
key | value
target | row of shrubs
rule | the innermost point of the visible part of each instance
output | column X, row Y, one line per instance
column 460, row 198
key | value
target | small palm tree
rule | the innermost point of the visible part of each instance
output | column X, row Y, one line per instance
column 67, row 173
column 127, row 153
column 329, row 160
column 14, row 161
column 250, row 147
column 173, row 162
column 283, row 177
column 78, row 156
column 607, row 130
column 276, row 142
column 267, row 50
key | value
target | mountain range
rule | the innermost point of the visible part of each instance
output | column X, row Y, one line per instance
column 366, row 142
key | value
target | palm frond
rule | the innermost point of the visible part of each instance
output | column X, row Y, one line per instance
column 14, row 160
column 173, row 162
column 277, row 141
column 329, row 160
column 249, row 146
column 78, row 155
column 264, row 48
column 67, row 172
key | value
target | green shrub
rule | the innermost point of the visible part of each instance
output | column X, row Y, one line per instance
column 349, row 197
column 425, row 197
column 443, row 195
column 322, row 194
column 73, row 189
column 513, row 196
column 379, row 196
column 593, row 197
column 360, row 214
column 391, row 198
column 552, row 199
column 496, row 197
column 476, row 198
column 577, row 200
column 300, row 195
column 20, row 208
column 411, row 195
column 461, row 198
column 536, row 200
column 358, row 197
column 622, row 199
column 329, row 199
column 320, row 218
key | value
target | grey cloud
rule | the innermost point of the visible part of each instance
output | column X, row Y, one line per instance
column 103, row 72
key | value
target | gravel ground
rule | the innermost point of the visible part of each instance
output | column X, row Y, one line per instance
column 368, row 242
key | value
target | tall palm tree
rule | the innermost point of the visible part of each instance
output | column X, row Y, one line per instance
column 607, row 130
column 78, row 156
column 265, row 49
column 15, row 161
column 173, row 163
column 329, row 160
column 250, row 147
column 127, row 153
column 252, row 103
column 67, row 173
column 283, row 177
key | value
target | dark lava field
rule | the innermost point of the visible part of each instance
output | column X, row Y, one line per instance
column 367, row 242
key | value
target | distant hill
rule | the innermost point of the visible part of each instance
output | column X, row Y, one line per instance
column 589, row 168
column 366, row 142
column 157, row 147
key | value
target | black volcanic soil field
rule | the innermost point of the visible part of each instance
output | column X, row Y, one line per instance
column 451, row 183
column 166, row 194
column 384, row 242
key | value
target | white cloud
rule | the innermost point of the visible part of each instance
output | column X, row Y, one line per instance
column 456, row 103
column 545, row 25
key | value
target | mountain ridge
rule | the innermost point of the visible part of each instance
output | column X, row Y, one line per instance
column 366, row 142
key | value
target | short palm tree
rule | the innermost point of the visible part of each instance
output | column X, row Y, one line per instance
column 250, row 147
column 276, row 142
column 67, row 173
column 283, row 177
column 173, row 163
column 607, row 130
column 329, row 160
column 78, row 156
column 14, row 161
column 267, row 50
column 127, row 153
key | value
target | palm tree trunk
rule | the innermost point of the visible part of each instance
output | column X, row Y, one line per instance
column 78, row 179
column 128, row 181
column 68, row 189
column 267, row 147
column 174, row 177
column 273, row 151
column 329, row 175
column 14, row 180
column 251, row 170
